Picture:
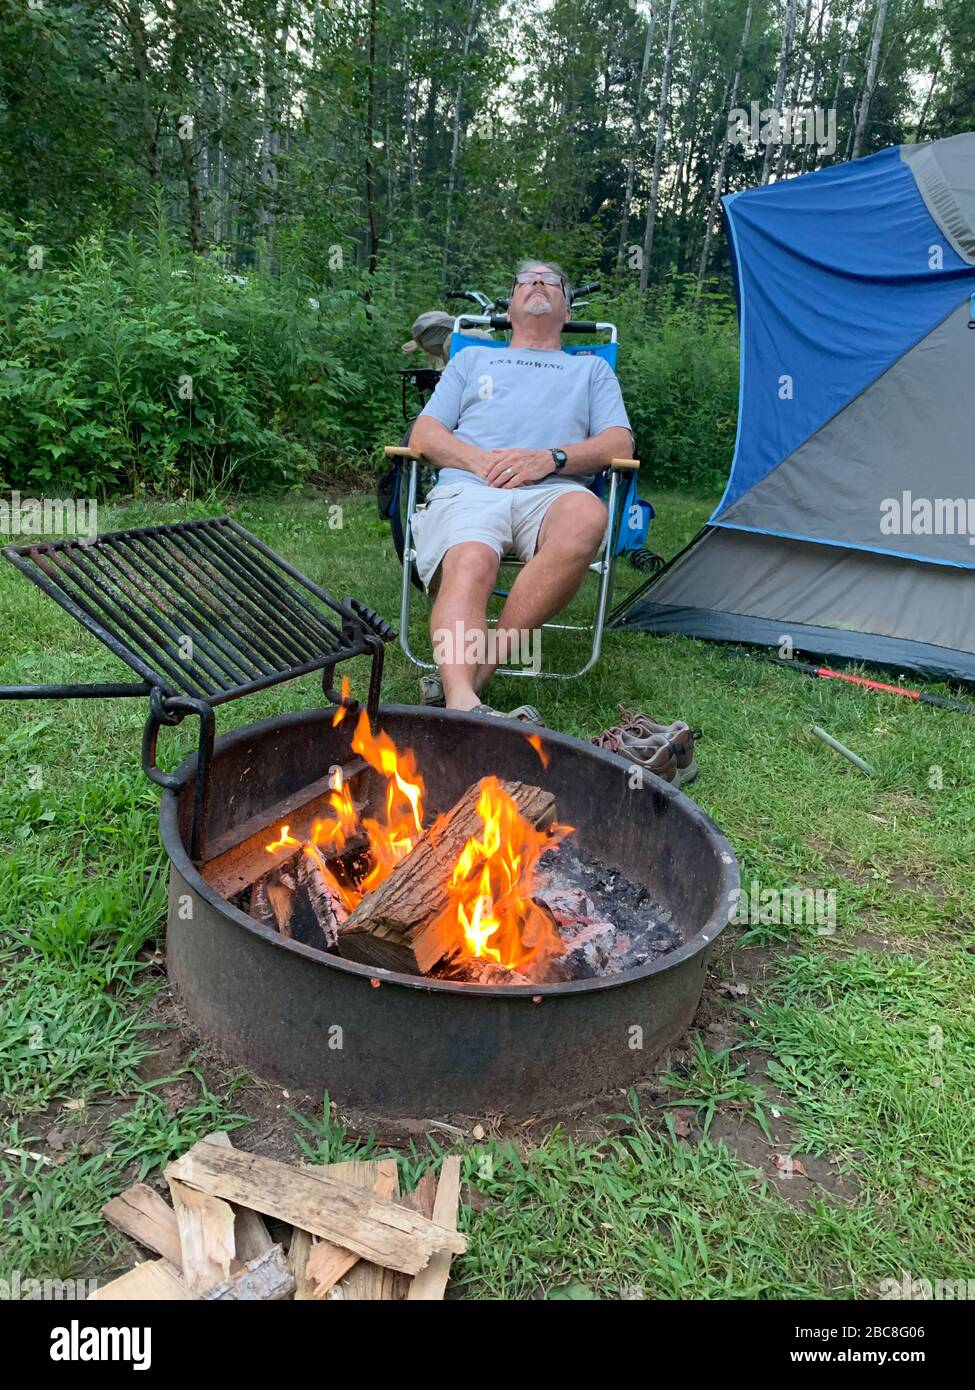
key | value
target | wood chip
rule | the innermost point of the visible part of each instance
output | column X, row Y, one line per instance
column 375, row 1229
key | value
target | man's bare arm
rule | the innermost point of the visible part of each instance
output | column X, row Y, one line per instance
column 598, row 451
column 441, row 447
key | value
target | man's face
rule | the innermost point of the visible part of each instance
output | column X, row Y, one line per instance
column 536, row 299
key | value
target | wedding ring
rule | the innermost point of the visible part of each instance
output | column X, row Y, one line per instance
column 510, row 472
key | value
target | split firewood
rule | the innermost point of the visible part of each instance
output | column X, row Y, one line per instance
column 156, row 1281
column 431, row 1282
column 364, row 1282
column 325, row 1263
column 302, row 1244
column 206, row 1236
column 301, row 899
column 266, row 1278
column 394, row 925
column 251, row 1237
column 142, row 1214
column 421, row 1199
column 373, row 1228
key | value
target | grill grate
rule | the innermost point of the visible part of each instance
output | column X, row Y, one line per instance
column 203, row 612
column 200, row 608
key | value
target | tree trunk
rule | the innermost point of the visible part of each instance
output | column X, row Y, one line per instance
column 370, row 118
column 919, row 133
column 140, row 58
column 702, row 269
column 455, row 142
column 785, row 52
column 658, row 151
column 198, row 240
column 408, row 125
column 870, row 82
column 634, row 145
column 798, row 78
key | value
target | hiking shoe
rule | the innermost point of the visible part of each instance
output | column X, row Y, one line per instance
column 641, row 739
column 659, row 750
column 678, row 738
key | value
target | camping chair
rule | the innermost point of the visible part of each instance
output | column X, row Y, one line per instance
column 626, row 527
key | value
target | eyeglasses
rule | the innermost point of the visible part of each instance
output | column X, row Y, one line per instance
column 547, row 277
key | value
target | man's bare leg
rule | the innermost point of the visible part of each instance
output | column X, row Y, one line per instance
column 568, row 542
column 467, row 577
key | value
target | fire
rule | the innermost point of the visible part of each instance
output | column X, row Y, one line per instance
column 342, row 710
column 491, row 913
column 335, row 832
column 390, row 841
column 543, row 757
column 491, row 910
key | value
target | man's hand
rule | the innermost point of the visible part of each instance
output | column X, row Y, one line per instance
column 516, row 467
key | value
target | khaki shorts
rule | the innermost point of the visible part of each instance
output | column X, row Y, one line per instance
column 507, row 519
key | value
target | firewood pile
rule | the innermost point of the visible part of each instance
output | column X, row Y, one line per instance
column 353, row 1235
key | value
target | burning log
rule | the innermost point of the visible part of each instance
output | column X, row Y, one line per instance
column 302, row 899
column 396, row 925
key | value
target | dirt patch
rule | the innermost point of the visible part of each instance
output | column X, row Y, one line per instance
column 797, row 1177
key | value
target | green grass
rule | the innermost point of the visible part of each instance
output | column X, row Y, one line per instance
column 864, row 1042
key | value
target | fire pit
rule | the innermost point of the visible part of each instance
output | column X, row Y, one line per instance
column 399, row 1043
column 418, row 910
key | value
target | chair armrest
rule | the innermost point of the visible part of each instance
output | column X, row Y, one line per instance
column 625, row 465
column 400, row 451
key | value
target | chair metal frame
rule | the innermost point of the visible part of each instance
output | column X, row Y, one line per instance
column 603, row 566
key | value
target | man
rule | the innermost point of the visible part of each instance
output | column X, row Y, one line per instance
column 518, row 432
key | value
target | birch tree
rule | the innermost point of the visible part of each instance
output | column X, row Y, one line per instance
column 785, row 53
column 732, row 102
column 658, row 150
column 870, row 81
column 634, row 146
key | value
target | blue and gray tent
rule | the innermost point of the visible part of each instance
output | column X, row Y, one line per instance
column 848, row 520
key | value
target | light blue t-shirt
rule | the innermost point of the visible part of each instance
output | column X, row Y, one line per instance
column 525, row 398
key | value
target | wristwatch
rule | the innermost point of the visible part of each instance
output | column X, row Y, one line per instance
column 561, row 459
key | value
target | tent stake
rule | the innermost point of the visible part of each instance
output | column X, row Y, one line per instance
column 841, row 748
column 826, row 673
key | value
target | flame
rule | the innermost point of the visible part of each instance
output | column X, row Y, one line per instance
column 286, row 840
column 334, row 833
column 390, row 840
column 491, row 911
column 342, row 710
column 543, row 757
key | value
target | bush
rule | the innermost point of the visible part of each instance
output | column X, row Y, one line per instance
column 679, row 374
column 136, row 368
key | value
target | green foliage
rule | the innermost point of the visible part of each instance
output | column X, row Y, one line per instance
column 136, row 368
column 679, row 373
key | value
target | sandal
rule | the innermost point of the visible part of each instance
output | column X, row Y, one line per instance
column 527, row 714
